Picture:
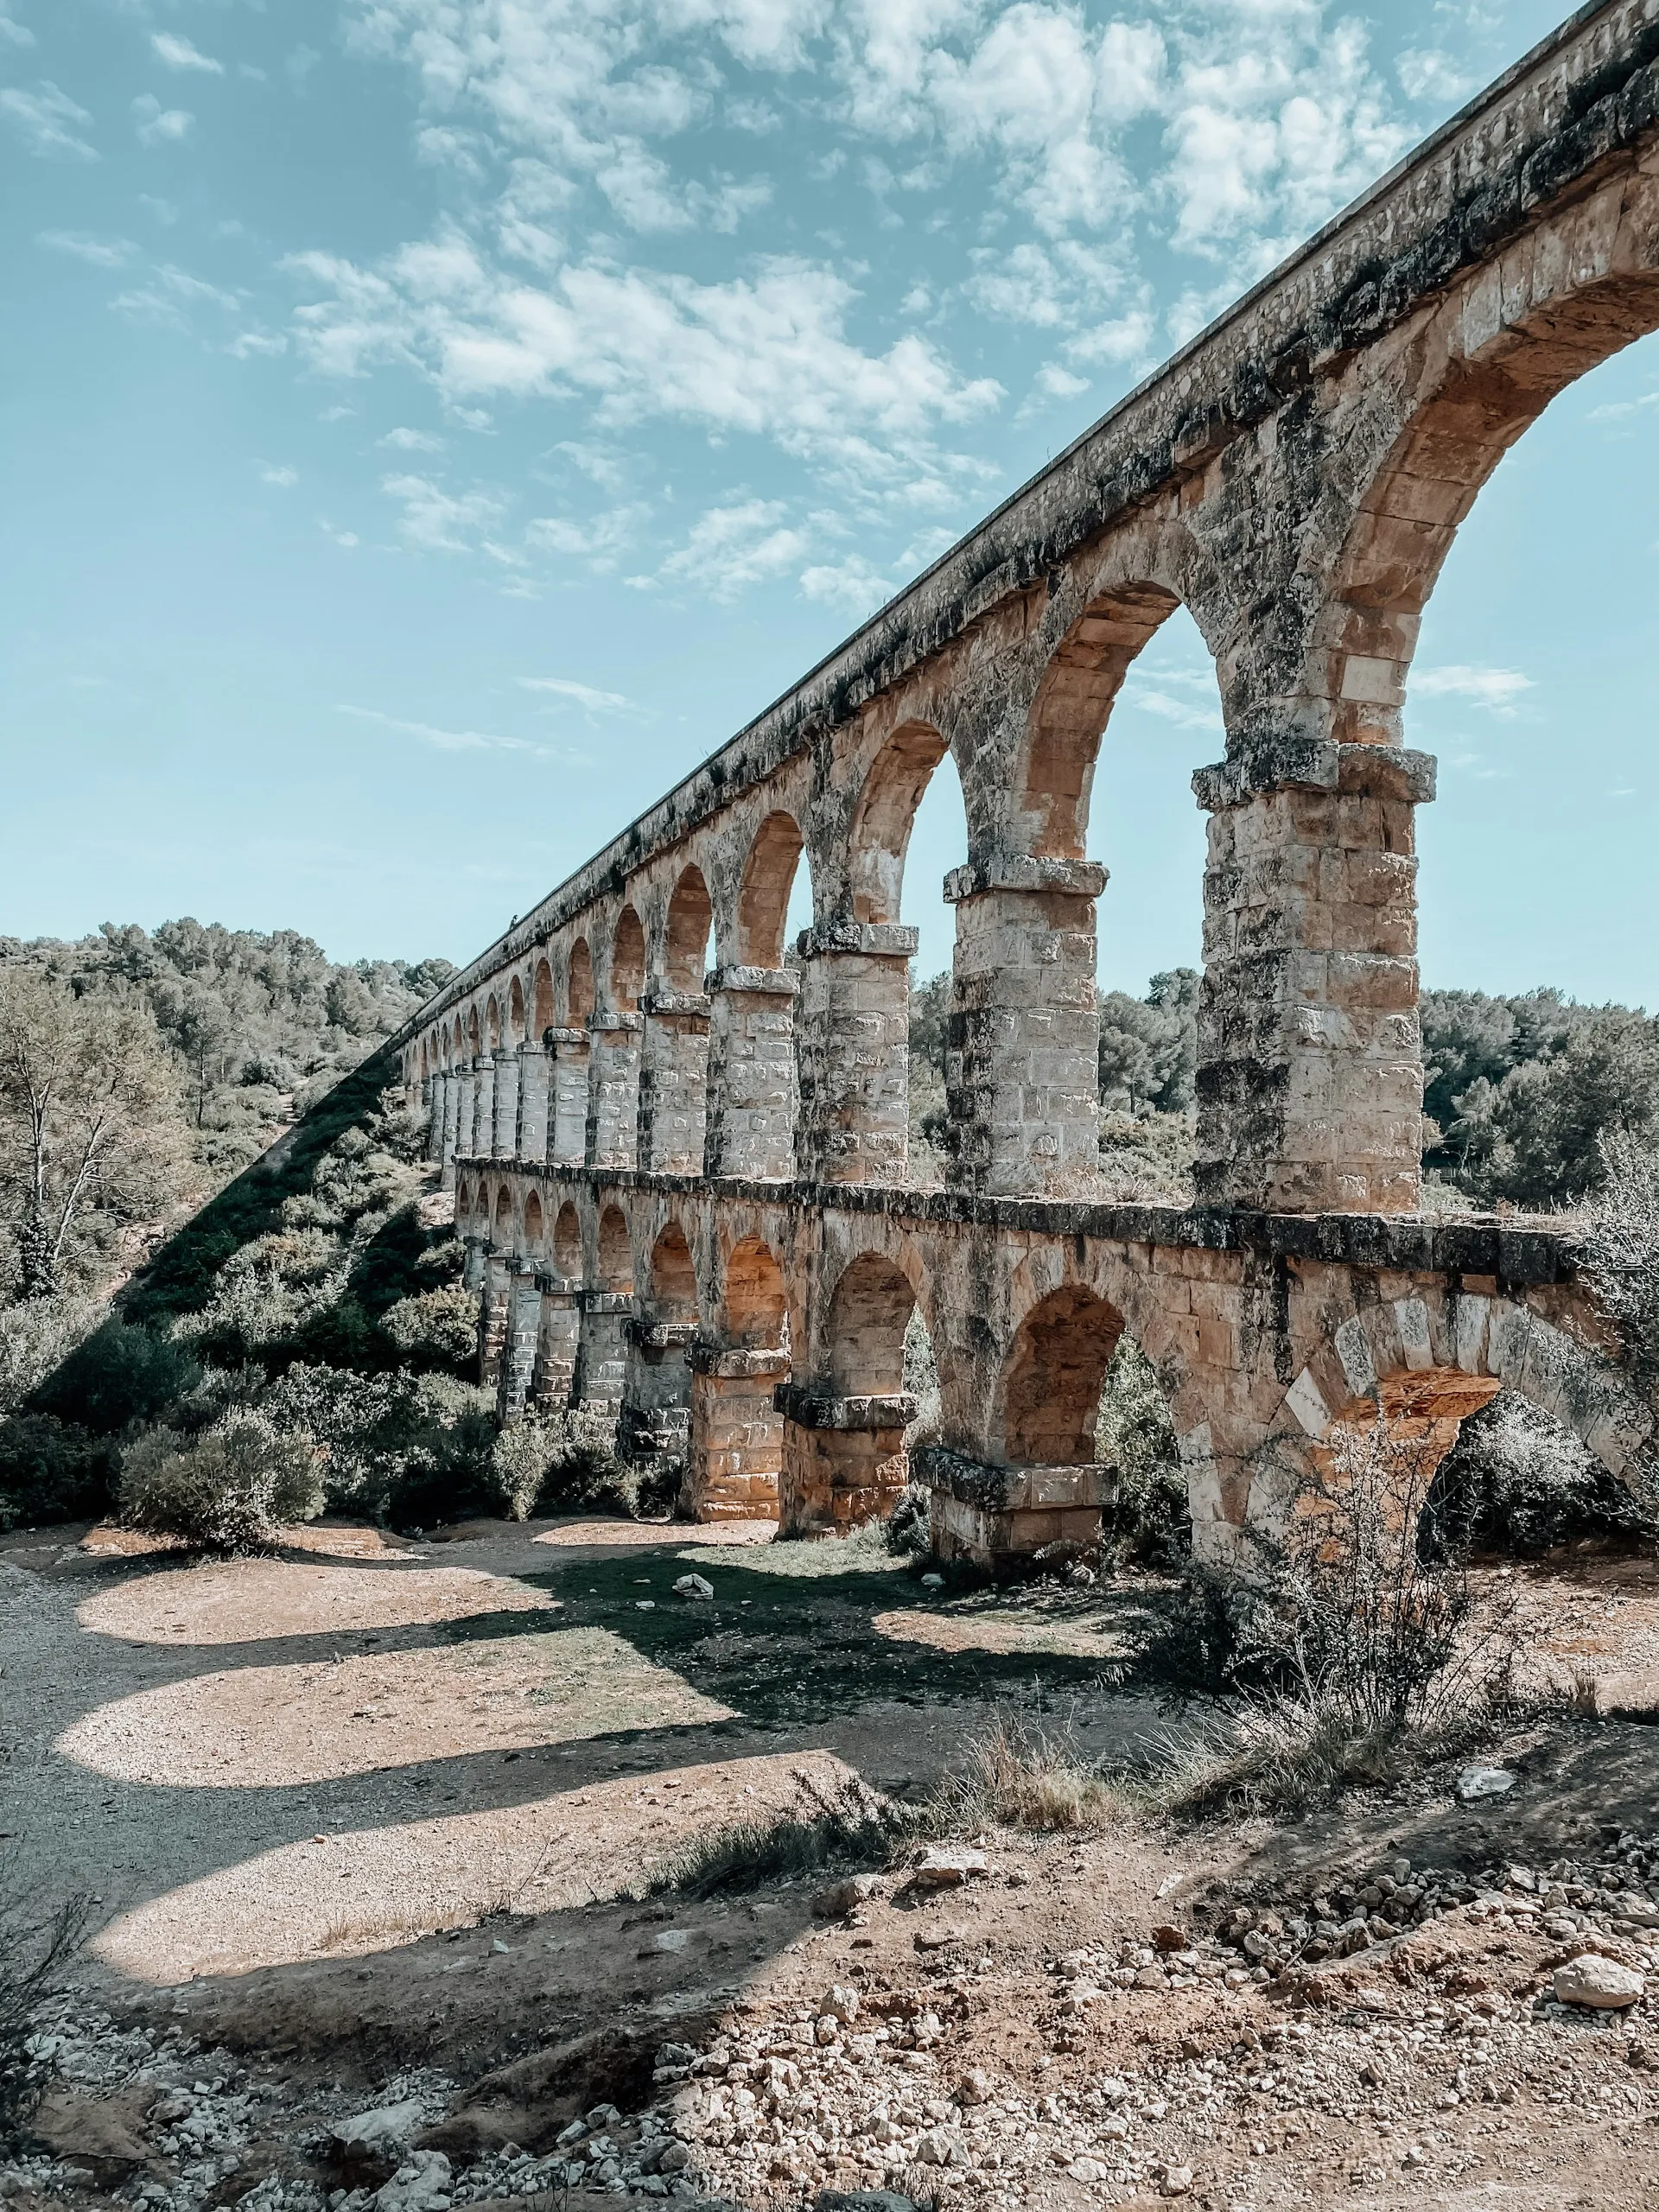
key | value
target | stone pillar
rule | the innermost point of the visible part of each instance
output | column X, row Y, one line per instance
column 750, row 1126
column 567, row 1114
column 613, row 1090
column 854, row 1058
column 556, row 1345
column 474, row 1267
column 843, row 1460
column 451, row 1126
column 530, row 1141
column 523, row 1332
column 601, row 1360
column 465, row 1107
column 737, row 1435
column 435, row 1091
column 504, row 1134
column 1310, row 1079
column 494, row 1319
column 674, row 1082
column 657, row 1391
column 1002, row 1517
column 1022, row 1056
column 483, row 1140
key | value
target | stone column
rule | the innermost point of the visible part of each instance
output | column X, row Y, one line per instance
column 474, row 1267
column 505, row 1134
column 556, row 1345
column 737, row 1435
column 843, row 1460
column 674, row 1082
column 1022, row 1057
column 466, row 1109
column 854, row 1058
column 613, row 1090
column 1310, row 1078
column 657, row 1391
column 495, row 1319
column 1002, row 1517
column 530, row 1142
column 451, row 1126
column 750, row 1126
column 524, row 1331
column 435, row 1091
column 483, row 1143
column 601, row 1362
column 567, row 1114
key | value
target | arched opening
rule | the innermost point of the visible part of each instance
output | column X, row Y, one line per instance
column 566, row 1243
column 1053, row 1381
column 869, row 1315
column 443, row 1044
column 579, row 991
column 690, row 917
column 423, row 1063
column 504, row 1219
column 627, row 962
column 472, row 1030
column 883, row 819
column 1072, row 706
column 615, row 1253
column 544, row 1003
column 763, row 902
column 756, row 1309
column 492, row 1022
column 535, row 1223
column 515, row 1010
column 464, row 1206
column 673, row 1277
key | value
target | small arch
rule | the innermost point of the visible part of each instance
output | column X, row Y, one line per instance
column 1053, row 1377
column 690, row 916
column 443, row 1044
column 627, row 962
column 1072, row 706
column 579, row 989
column 566, row 1243
column 472, row 1030
column 535, row 1223
column 756, row 1306
column 869, row 1313
column 885, row 816
column 516, row 1009
column 673, row 1277
column 545, row 1013
column 424, row 1070
column 463, row 1202
column 763, row 902
column 493, row 1024
column 615, row 1253
column 503, row 1217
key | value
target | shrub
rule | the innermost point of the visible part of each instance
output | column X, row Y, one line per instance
column 121, row 1373
column 410, row 1449
column 563, row 1463
column 231, row 1488
column 908, row 1530
column 1148, row 1519
column 435, row 1328
column 36, row 1337
column 1021, row 1776
column 34, row 1954
column 848, row 1827
column 50, row 1470
column 1516, row 1481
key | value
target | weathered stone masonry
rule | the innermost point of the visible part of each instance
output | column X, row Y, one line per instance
column 685, row 1178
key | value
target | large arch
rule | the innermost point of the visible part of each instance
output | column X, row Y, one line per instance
column 515, row 1010
column 756, row 1301
column 690, row 915
column 673, row 1276
column 502, row 1229
column 493, row 1024
column 763, row 899
column 472, row 1030
column 535, row 1222
column 615, row 1253
column 627, row 962
column 863, row 1332
column 544, row 1016
column 579, row 983
column 885, row 815
column 1048, row 1394
column 566, row 1243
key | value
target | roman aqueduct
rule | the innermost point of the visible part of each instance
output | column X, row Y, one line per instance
column 685, row 1190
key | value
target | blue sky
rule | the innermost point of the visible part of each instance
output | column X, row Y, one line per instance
column 430, row 426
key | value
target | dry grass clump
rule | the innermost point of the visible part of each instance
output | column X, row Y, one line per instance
column 35, row 1954
column 1019, row 1775
column 849, row 1829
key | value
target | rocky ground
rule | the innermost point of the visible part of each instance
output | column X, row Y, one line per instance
column 1363, row 2009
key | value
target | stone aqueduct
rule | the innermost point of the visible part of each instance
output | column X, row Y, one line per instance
column 685, row 1193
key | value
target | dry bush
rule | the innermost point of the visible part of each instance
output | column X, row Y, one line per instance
column 34, row 1955
column 848, row 1828
column 230, row 1488
column 1017, row 1775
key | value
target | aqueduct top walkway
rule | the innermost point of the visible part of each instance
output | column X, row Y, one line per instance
column 687, row 1184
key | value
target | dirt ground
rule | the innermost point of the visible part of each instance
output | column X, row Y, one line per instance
column 369, row 1822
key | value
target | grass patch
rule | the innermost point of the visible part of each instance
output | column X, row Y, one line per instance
column 1018, row 1774
column 849, row 1830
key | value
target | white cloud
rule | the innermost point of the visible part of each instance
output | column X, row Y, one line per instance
column 1620, row 411
column 348, row 539
column 157, row 125
column 731, row 547
column 170, row 292
column 1495, row 689
column 103, row 253
column 852, row 583
column 46, row 118
column 13, row 33
column 179, row 53
column 248, row 344
column 1181, row 712
column 436, row 521
column 406, row 441
column 1052, row 382
column 1426, row 74
column 446, row 740
column 600, row 540
column 281, row 477
column 564, row 687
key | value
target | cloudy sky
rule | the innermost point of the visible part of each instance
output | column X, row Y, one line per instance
column 432, row 425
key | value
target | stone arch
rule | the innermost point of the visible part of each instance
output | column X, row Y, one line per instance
column 566, row 1243
column 673, row 1276
column 627, row 962
column 615, row 1253
column 515, row 1010
column 579, row 983
column 535, row 1222
column 463, row 1203
column 543, row 1015
column 756, row 1299
column 1048, row 1394
column 763, row 899
column 1556, row 305
column 863, row 1340
column 472, row 1030
column 690, row 915
column 884, row 816
column 425, row 1070
column 502, row 1231
column 493, row 1025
